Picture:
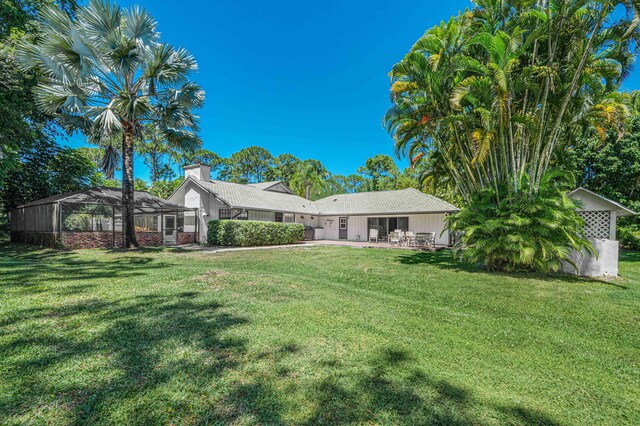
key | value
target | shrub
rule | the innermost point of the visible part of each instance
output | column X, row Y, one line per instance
column 521, row 231
column 629, row 237
column 245, row 233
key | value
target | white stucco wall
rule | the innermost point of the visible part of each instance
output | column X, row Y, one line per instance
column 605, row 264
column 307, row 220
column 201, row 172
column 193, row 196
column 357, row 226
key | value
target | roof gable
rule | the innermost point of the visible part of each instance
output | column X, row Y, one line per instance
column 275, row 186
column 254, row 197
column 593, row 201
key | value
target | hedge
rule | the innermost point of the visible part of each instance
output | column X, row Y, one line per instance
column 243, row 233
column 629, row 237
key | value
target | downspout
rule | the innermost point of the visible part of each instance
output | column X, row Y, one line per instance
column 59, row 222
column 196, row 212
column 113, row 226
column 162, row 226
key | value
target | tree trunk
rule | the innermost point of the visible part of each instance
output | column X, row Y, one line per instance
column 307, row 191
column 128, row 224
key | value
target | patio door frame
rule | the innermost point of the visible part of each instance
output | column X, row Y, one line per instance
column 382, row 224
column 171, row 232
column 343, row 233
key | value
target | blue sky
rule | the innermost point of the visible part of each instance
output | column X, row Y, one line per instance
column 306, row 78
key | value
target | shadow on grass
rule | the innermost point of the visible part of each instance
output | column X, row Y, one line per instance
column 132, row 338
column 166, row 358
column 389, row 389
column 23, row 268
column 445, row 259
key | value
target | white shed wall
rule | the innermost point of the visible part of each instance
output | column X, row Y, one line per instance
column 605, row 264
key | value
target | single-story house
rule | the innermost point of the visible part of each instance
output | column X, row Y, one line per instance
column 93, row 217
column 338, row 217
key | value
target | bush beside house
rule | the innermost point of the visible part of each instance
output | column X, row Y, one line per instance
column 629, row 236
column 245, row 233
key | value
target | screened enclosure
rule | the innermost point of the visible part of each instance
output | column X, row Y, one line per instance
column 93, row 218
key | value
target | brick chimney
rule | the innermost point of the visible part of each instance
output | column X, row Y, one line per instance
column 198, row 171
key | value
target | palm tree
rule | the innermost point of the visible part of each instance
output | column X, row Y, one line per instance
column 107, row 74
column 309, row 178
column 500, row 90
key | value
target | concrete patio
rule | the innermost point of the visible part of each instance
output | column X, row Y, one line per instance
column 355, row 244
column 365, row 244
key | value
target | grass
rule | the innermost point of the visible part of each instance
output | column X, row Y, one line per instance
column 310, row 335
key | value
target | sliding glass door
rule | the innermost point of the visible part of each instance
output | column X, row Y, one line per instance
column 384, row 225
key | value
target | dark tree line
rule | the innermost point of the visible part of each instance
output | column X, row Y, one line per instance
column 307, row 178
column 32, row 164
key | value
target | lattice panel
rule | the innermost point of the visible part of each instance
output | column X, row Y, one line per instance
column 597, row 223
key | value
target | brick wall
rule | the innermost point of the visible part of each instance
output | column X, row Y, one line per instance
column 75, row 240
column 186, row 238
column 45, row 239
column 149, row 239
column 78, row 240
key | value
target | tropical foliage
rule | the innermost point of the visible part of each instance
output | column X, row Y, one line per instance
column 106, row 73
column 309, row 179
column 499, row 90
column 43, row 169
column 611, row 167
column 32, row 164
column 516, row 232
column 498, row 95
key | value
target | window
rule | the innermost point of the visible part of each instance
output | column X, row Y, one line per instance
column 289, row 218
column 279, row 217
column 235, row 214
column 188, row 222
column 343, row 223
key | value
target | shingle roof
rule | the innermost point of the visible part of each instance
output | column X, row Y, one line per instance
column 238, row 195
column 265, row 185
column 622, row 210
column 255, row 196
column 142, row 200
column 383, row 202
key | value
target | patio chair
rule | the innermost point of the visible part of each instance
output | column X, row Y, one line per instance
column 422, row 239
column 410, row 238
column 373, row 235
column 394, row 238
column 431, row 239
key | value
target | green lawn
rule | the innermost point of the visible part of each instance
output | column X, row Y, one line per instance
column 310, row 335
